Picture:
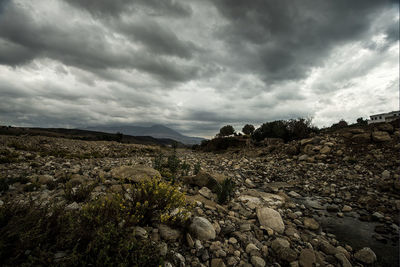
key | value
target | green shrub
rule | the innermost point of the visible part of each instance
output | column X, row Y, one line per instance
column 158, row 162
column 30, row 187
column 196, row 168
column 225, row 191
column 7, row 156
column 3, row 184
column 155, row 200
column 288, row 130
column 79, row 193
column 185, row 168
column 45, row 230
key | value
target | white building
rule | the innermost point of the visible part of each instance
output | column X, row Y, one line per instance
column 384, row 117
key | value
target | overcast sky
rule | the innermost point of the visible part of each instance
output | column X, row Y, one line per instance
column 196, row 65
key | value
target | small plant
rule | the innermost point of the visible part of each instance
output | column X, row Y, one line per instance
column 7, row 156
column 169, row 169
column 3, row 185
column 30, row 187
column 78, row 194
column 158, row 162
column 185, row 168
column 196, row 168
column 173, row 163
column 225, row 191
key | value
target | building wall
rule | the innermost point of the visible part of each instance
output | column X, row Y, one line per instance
column 385, row 117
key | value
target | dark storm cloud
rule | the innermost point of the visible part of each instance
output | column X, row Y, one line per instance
column 282, row 40
column 157, row 39
column 116, row 7
column 23, row 39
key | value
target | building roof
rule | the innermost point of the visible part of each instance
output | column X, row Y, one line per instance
column 387, row 113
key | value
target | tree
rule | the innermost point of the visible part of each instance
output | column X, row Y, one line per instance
column 340, row 125
column 248, row 129
column 361, row 121
column 226, row 131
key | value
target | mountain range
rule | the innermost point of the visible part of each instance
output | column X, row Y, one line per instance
column 156, row 131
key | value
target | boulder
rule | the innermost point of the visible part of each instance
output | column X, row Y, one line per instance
column 361, row 138
column 257, row 261
column 311, row 224
column 270, row 218
column 205, row 179
column 202, row 229
column 380, row 136
column 272, row 141
column 343, row 260
column 386, row 127
column 356, row 131
column 205, row 192
column 279, row 243
column 304, row 142
column 325, row 150
column 307, row 258
column 167, row 233
column 327, row 248
column 137, row 174
column 41, row 179
column 217, row 263
column 365, row 255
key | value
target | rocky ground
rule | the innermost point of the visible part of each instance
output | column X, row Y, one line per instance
column 331, row 200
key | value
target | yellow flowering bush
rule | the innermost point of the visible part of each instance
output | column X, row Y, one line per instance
column 157, row 200
column 150, row 201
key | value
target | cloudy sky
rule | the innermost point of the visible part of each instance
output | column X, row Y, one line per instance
column 196, row 65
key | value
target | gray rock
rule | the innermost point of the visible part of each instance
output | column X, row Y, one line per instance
column 140, row 232
column 307, row 258
column 217, row 263
column 386, row 174
column 205, row 192
column 257, row 261
column 167, row 233
column 327, row 248
column 137, row 174
column 294, row 194
column 343, row 260
column 365, row 255
column 279, row 243
column 250, row 247
column 270, row 218
column 204, row 179
column 311, row 224
column 303, row 157
column 380, row 136
column 202, row 228
column 72, row 206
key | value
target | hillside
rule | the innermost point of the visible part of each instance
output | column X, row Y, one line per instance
column 86, row 135
column 156, row 131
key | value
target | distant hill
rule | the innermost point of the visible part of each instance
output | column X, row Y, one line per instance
column 87, row 135
column 156, row 131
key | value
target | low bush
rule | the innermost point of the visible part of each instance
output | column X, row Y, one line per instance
column 287, row 130
column 156, row 200
column 225, row 191
column 99, row 234
column 7, row 156
column 79, row 193
column 31, row 235
column 196, row 168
